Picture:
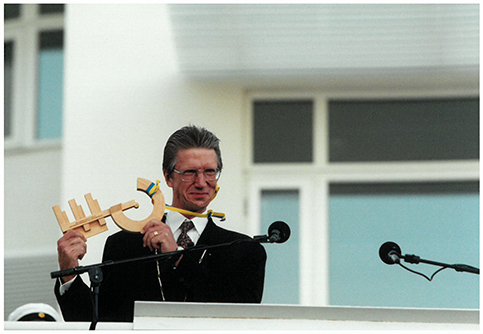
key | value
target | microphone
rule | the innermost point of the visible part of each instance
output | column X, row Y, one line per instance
column 390, row 253
column 278, row 232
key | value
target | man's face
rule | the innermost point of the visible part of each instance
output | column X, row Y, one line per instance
column 195, row 195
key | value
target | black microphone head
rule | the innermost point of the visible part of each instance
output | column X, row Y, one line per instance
column 386, row 249
column 283, row 231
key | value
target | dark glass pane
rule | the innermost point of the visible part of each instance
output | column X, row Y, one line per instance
column 283, row 131
column 11, row 11
column 51, row 9
column 400, row 130
column 51, row 39
column 7, row 88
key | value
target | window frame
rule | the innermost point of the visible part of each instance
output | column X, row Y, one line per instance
column 313, row 179
column 24, row 32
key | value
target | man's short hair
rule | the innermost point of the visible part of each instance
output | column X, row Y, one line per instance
column 189, row 137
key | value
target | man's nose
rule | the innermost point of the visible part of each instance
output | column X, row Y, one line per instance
column 200, row 179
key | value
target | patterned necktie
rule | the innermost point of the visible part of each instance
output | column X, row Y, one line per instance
column 184, row 240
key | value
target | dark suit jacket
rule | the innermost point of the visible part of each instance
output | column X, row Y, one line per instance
column 233, row 274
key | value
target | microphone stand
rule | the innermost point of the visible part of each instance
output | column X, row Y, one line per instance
column 96, row 276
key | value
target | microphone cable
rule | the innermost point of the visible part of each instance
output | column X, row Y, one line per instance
column 390, row 253
column 421, row 274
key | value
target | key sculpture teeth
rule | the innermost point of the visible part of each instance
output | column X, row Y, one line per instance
column 95, row 223
column 91, row 225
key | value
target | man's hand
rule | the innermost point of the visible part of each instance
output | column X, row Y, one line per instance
column 158, row 235
column 71, row 248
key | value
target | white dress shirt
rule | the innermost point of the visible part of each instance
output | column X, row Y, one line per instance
column 175, row 219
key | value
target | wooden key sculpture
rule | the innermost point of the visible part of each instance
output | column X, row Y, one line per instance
column 95, row 223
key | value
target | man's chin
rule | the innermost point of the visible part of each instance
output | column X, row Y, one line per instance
column 198, row 206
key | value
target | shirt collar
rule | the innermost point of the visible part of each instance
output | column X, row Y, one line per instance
column 175, row 219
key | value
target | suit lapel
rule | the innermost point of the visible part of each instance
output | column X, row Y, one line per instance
column 208, row 237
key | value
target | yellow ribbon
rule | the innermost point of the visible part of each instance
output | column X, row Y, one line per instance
column 210, row 213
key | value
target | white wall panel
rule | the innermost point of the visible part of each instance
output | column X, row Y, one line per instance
column 243, row 39
column 124, row 97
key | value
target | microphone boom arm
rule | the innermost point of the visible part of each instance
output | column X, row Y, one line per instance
column 411, row 258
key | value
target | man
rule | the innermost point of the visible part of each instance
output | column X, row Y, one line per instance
column 233, row 273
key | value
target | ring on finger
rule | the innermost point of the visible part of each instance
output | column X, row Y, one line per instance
column 155, row 233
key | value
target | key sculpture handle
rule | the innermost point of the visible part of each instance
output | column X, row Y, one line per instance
column 95, row 223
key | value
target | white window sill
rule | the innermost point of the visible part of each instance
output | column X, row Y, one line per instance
column 13, row 148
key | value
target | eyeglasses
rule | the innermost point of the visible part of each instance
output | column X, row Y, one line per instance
column 189, row 175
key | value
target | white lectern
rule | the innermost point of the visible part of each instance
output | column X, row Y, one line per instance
column 205, row 316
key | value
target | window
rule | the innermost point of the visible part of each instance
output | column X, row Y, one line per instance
column 11, row 12
column 33, row 84
column 379, row 169
column 437, row 221
column 50, row 74
column 403, row 129
column 51, row 9
column 282, row 131
column 281, row 205
column 7, row 87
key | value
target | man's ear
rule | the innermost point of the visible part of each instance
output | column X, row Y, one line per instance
column 169, row 181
